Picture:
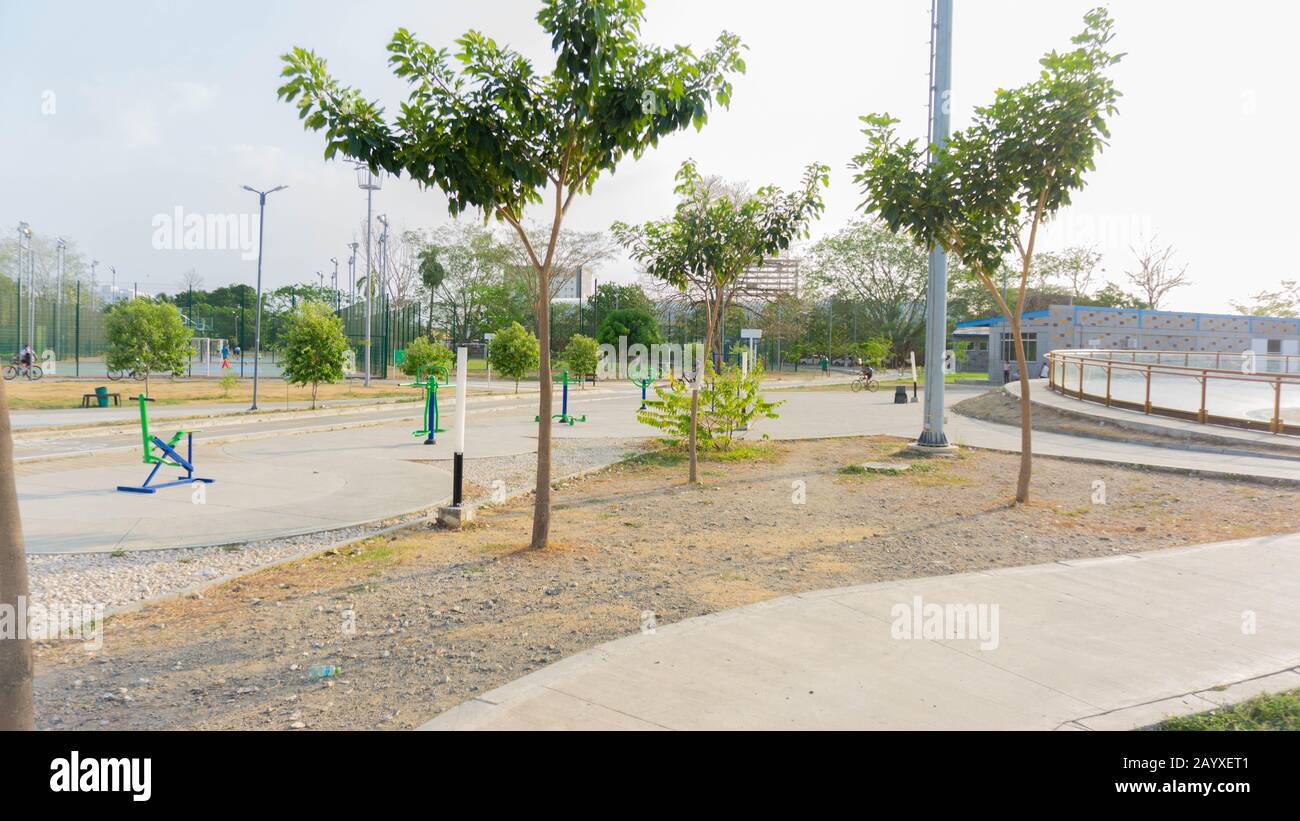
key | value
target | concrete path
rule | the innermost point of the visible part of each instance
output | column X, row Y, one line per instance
column 1285, row 445
column 282, row 475
column 1100, row 644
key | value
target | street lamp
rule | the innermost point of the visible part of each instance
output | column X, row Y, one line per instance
column 25, row 230
column 369, row 182
column 352, row 274
column 61, row 249
column 335, row 260
column 383, row 256
column 257, row 323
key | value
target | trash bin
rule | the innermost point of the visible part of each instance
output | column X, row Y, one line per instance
column 102, row 395
column 900, row 395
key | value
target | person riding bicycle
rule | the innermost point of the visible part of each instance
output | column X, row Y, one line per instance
column 868, row 372
column 27, row 356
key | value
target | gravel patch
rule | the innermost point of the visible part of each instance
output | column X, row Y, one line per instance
column 120, row 580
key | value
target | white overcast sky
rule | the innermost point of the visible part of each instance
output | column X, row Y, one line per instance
column 160, row 105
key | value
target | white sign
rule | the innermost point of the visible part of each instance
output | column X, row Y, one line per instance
column 751, row 333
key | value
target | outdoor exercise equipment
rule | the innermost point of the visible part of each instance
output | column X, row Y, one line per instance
column 430, row 385
column 563, row 416
column 159, row 453
column 651, row 376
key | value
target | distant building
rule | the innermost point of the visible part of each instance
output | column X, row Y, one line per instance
column 772, row 278
column 989, row 340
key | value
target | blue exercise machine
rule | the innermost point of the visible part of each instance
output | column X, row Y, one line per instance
column 159, row 453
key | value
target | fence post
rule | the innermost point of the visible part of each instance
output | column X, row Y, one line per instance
column 1147, row 404
column 1205, row 382
column 1110, row 367
column 77, row 333
column 1081, row 367
column 1277, row 406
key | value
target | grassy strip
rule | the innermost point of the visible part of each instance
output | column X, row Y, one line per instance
column 1272, row 711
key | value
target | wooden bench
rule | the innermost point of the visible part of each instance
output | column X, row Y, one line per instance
column 87, row 398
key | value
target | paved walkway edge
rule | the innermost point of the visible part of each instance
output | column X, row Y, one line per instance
column 1083, row 650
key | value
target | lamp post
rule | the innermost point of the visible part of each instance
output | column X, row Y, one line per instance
column 352, row 274
column 383, row 256
column 335, row 284
column 932, row 436
column 61, row 249
column 25, row 231
column 369, row 182
column 257, row 322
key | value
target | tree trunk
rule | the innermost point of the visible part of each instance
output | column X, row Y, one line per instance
column 1026, row 430
column 16, row 710
column 542, row 502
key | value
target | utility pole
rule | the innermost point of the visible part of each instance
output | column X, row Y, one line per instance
column 257, row 322
column 936, row 305
column 370, row 183
column 335, row 260
column 352, row 274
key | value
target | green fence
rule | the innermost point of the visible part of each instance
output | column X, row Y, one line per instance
column 69, row 330
column 391, row 330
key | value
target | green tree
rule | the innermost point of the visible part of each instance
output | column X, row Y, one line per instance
column 713, row 236
column 1285, row 301
column 731, row 402
column 637, row 324
column 1113, row 296
column 457, row 266
column 147, row 337
column 422, row 352
column 514, row 352
column 883, row 273
column 582, row 355
column 314, row 347
column 984, row 194
column 498, row 137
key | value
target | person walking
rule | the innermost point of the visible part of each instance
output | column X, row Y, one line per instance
column 225, row 356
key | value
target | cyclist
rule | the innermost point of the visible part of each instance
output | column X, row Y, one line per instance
column 868, row 372
column 27, row 357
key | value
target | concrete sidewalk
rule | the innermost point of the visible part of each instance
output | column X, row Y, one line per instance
column 1101, row 644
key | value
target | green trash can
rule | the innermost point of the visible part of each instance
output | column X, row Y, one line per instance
column 102, row 395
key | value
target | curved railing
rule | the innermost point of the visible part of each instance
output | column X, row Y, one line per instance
column 1246, row 390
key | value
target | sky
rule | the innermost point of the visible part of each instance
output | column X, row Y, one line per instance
column 114, row 116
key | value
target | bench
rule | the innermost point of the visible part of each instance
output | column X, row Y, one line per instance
column 88, row 398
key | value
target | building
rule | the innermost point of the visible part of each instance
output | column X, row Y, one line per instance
column 989, row 340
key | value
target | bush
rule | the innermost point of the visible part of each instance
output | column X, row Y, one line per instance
column 581, row 356
column 514, row 352
column 147, row 337
column 314, row 347
column 423, row 351
column 728, row 402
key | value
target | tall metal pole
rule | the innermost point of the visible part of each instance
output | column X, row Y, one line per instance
column 936, row 305
column 370, row 279
column 257, row 322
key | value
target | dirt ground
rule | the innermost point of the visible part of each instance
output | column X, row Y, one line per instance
column 442, row 616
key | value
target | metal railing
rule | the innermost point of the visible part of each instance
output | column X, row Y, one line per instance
column 1192, row 386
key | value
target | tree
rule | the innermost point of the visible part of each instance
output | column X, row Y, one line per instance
column 582, row 354
column 984, row 194
column 1156, row 274
column 314, row 347
column 639, row 326
column 712, row 237
column 732, row 402
column 422, row 352
column 883, row 272
column 1283, row 302
column 1073, row 267
column 147, row 337
column 456, row 266
column 514, row 352
column 498, row 137
column 16, row 706
column 1112, row 296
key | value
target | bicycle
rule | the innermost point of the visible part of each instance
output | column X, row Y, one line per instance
column 117, row 376
column 865, row 383
column 32, row 372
